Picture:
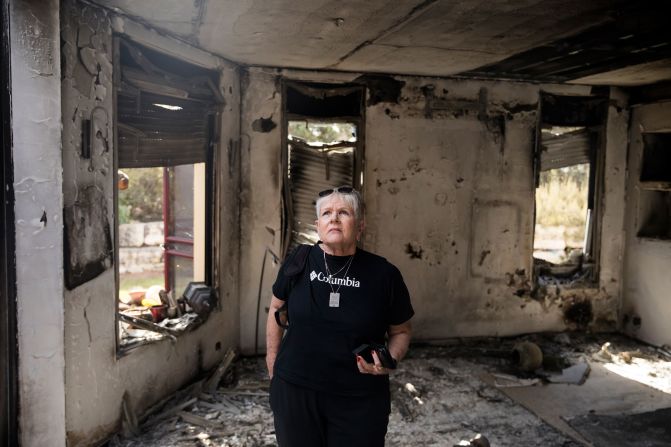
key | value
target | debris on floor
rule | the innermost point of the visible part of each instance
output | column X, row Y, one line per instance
column 439, row 397
column 451, row 403
column 235, row 414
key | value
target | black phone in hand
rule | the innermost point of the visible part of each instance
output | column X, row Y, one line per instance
column 366, row 352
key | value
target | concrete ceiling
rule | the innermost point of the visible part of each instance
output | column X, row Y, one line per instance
column 601, row 42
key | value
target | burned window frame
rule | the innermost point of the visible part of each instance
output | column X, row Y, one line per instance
column 346, row 111
column 575, row 111
column 210, row 160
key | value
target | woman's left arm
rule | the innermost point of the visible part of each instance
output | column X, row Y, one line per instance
column 399, row 339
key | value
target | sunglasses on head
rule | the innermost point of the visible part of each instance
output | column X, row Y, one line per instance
column 340, row 189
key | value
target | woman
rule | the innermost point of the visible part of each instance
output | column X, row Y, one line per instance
column 322, row 393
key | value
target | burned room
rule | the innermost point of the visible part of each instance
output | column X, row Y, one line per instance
column 163, row 161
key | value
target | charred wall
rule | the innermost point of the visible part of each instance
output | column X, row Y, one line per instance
column 452, row 177
column 260, row 203
column 88, row 143
column 449, row 186
column 96, row 376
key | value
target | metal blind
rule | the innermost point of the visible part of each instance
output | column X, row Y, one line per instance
column 312, row 170
column 152, row 136
column 559, row 151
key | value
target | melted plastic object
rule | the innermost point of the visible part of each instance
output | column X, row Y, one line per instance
column 200, row 297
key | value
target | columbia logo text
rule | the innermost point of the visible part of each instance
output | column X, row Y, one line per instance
column 346, row 281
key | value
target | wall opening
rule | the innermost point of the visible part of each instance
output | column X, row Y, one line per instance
column 324, row 148
column 656, row 163
column 561, row 196
column 567, row 168
column 165, row 112
column 654, row 207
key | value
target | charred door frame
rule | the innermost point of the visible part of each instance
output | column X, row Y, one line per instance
column 359, row 152
column 8, row 347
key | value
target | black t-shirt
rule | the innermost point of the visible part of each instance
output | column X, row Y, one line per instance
column 316, row 351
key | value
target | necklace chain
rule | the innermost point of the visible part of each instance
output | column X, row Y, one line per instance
column 346, row 264
column 328, row 272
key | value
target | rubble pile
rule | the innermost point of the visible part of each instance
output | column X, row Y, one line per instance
column 235, row 414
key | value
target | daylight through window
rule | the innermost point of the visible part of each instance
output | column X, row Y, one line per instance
column 165, row 119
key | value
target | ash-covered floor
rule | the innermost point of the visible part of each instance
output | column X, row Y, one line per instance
column 444, row 395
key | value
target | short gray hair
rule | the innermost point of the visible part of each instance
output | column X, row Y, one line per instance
column 353, row 199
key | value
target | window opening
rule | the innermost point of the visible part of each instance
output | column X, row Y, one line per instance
column 324, row 147
column 561, row 199
column 566, row 227
column 321, row 154
column 656, row 163
column 655, row 187
column 165, row 119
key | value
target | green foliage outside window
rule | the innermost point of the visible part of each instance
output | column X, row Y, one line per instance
column 142, row 201
column 325, row 133
column 561, row 201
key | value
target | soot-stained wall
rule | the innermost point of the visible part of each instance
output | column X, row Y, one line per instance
column 95, row 378
column 449, row 188
column 88, row 127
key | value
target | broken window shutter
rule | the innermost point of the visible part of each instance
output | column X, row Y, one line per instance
column 309, row 174
column 560, row 151
column 153, row 136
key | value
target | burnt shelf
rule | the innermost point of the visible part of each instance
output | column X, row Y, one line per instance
column 655, row 186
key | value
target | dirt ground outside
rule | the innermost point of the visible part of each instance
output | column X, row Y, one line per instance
column 441, row 395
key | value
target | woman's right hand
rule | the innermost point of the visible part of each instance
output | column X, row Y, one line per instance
column 273, row 335
column 374, row 368
column 270, row 363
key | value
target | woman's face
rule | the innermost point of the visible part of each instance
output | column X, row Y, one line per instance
column 336, row 225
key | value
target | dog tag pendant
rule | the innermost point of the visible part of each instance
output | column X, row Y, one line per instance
column 334, row 299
